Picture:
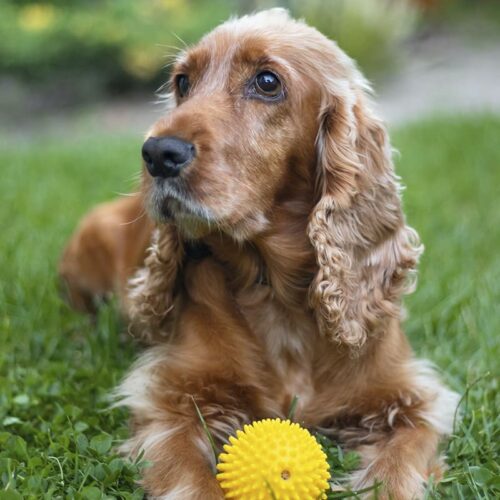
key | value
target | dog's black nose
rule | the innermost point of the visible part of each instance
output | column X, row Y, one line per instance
column 167, row 156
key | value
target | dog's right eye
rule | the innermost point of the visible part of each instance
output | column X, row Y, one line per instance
column 182, row 83
column 268, row 84
column 265, row 86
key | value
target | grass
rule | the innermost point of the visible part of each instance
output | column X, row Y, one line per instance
column 57, row 435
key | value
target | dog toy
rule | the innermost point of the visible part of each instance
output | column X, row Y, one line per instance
column 273, row 460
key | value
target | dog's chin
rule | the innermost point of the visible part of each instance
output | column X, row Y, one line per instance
column 192, row 227
column 193, row 221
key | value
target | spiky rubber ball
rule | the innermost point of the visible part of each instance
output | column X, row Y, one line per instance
column 273, row 459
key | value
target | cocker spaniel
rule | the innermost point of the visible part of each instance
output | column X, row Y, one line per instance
column 277, row 262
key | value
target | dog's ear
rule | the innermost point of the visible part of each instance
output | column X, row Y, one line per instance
column 152, row 289
column 364, row 250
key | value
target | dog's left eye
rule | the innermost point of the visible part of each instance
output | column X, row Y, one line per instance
column 182, row 83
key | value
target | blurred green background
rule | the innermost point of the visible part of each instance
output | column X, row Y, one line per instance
column 80, row 49
column 77, row 85
column 123, row 45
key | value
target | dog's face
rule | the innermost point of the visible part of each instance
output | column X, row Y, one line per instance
column 245, row 114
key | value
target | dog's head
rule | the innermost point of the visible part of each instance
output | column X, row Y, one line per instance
column 246, row 110
column 265, row 99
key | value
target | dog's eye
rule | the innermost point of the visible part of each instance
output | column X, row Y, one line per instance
column 182, row 82
column 268, row 84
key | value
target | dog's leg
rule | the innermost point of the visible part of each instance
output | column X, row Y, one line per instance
column 182, row 464
column 405, row 454
column 106, row 248
column 212, row 364
column 401, row 463
column 164, row 392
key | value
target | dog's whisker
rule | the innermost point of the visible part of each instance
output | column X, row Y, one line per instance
column 130, row 194
column 184, row 44
column 138, row 218
column 175, row 48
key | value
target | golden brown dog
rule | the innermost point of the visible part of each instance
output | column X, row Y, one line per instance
column 277, row 267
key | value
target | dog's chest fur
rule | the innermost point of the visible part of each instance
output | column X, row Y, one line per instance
column 286, row 338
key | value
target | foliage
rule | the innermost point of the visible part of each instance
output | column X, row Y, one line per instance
column 102, row 42
column 481, row 14
column 370, row 31
column 57, row 434
column 120, row 45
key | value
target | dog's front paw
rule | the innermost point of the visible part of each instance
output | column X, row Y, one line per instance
column 389, row 483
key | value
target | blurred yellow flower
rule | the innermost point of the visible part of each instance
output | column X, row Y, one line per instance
column 173, row 4
column 142, row 63
column 36, row 17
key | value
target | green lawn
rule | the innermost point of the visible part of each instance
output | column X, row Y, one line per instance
column 56, row 368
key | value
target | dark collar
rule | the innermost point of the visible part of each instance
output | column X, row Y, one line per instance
column 197, row 250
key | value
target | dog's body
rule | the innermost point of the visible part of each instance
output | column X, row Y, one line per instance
column 287, row 186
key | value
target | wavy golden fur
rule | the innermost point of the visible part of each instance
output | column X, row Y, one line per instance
column 299, row 292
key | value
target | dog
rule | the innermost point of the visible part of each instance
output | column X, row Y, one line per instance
column 278, row 258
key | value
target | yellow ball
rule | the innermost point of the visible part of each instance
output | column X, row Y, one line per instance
column 275, row 460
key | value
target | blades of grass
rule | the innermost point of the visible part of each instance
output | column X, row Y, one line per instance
column 355, row 494
column 472, row 482
column 429, row 488
column 271, row 492
column 206, row 429
column 465, row 395
column 86, row 474
column 293, row 407
column 59, row 466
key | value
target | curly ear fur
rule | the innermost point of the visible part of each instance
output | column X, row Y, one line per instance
column 364, row 250
column 151, row 290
